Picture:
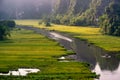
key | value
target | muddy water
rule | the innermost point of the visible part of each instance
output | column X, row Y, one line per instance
column 107, row 66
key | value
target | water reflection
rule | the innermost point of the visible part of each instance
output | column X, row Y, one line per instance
column 107, row 74
column 108, row 66
column 102, row 63
column 20, row 72
column 83, row 52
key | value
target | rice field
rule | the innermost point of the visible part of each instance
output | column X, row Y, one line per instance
column 90, row 34
column 26, row 49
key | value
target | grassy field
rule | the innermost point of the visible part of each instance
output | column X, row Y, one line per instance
column 90, row 34
column 26, row 49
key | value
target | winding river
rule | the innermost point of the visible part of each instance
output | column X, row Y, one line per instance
column 104, row 64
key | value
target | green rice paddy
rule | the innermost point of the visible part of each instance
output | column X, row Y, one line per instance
column 27, row 49
column 90, row 34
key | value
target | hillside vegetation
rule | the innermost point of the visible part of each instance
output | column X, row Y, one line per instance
column 78, row 11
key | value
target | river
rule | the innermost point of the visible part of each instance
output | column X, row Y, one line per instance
column 104, row 64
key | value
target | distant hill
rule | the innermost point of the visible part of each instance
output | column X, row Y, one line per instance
column 69, row 12
column 88, row 10
column 24, row 9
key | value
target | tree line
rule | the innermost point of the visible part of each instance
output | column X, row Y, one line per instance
column 110, row 21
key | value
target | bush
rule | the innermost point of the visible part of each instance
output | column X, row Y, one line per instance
column 4, row 32
column 5, row 27
column 47, row 24
column 11, row 24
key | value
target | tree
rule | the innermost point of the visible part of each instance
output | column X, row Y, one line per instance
column 110, row 21
column 5, row 27
column 46, row 20
column 4, row 32
column 11, row 24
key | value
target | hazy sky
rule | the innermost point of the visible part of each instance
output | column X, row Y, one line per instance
column 25, row 7
column 21, row 2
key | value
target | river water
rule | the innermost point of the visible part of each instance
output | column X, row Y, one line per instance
column 104, row 64
column 107, row 66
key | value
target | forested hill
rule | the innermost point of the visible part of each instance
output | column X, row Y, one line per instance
column 71, row 6
column 87, row 10
column 62, row 10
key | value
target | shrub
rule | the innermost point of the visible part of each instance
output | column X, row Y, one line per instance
column 5, row 27
column 47, row 24
column 10, row 24
column 4, row 32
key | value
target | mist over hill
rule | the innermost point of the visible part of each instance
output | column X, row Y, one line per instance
column 35, row 9
column 24, row 9
column 70, row 12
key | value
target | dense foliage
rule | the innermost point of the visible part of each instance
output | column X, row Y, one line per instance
column 79, row 12
column 5, row 27
column 68, row 12
column 90, row 34
column 110, row 22
column 46, row 21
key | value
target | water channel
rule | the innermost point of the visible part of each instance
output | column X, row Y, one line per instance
column 104, row 64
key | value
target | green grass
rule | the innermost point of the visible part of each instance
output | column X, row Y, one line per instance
column 90, row 34
column 26, row 49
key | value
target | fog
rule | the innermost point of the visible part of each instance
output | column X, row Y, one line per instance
column 24, row 9
column 27, row 2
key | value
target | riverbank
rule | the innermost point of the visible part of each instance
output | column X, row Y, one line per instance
column 89, row 52
column 90, row 34
column 28, row 49
column 85, row 52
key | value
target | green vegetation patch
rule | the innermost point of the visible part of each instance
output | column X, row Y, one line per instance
column 90, row 34
column 26, row 49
